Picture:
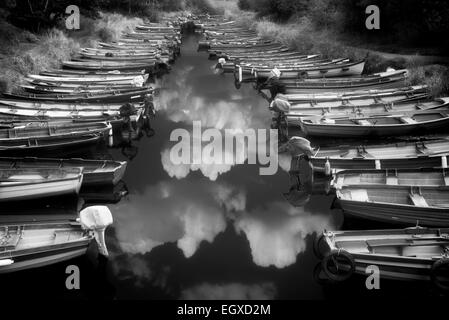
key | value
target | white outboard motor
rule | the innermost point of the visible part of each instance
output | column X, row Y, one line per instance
column 97, row 218
column 299, row 145
column 280, row 104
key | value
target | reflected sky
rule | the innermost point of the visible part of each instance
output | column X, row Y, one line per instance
column 201, row 231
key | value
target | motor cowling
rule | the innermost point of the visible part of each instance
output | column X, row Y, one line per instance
column 97, row 219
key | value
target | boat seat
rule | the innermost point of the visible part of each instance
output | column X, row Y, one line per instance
column 392, row 180
column 364, row 122
column 407, row 120
column 359, row 195
column 418, row 200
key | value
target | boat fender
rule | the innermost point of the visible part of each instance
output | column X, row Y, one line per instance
column 338, row 265
column 97, row 219
column 439, row 269
column 317, row 246
column 444, row 162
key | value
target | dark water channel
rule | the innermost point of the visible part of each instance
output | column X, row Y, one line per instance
column 204, row 231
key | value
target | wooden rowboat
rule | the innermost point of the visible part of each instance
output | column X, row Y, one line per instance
column 412, row 254
column 65, row 143
column 24, row 184
column 95, row 172
column 356, row 98
column 383, row 124
column 383, row 80
column 46, row 136
column 332, row 70
column 399, row 155
column 404, row 103
column 30, row 245
column 106, row 65
column 97, row 79
column 406, row 205
column 134, row 96
column 429, row 177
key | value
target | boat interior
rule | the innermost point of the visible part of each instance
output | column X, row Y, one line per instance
column 28, row 236
column 398, row 195
column 405, row 245
column 395, row 177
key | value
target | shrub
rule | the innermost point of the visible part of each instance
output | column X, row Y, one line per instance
column 436, row 77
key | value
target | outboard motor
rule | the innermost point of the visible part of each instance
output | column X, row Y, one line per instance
column 97, row 219
column 220, row 63
column 127, row 110
column 297, row 146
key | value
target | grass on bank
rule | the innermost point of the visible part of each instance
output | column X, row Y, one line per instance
column 23, row 52
column 303, row 36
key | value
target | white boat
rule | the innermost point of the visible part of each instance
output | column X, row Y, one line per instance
column 404, row 254
column 26, row 246
column 24, row 184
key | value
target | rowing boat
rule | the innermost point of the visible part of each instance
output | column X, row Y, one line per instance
column 394, row 122
column 397, row 103
column 429, row 177
column 107, row 65
column 383, row 80
column 24, row 184
column 399, row 155
column 30, row 245
column 342, row 69
column 412, row 254
column 69, row 143
column 95, row 172
column 406, row 205
column 97, row 79
column 134, row 96
column 355, row 98
column 49, row 135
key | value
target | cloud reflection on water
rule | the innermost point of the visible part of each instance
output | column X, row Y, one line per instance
column 185, row 102
column 190, row 212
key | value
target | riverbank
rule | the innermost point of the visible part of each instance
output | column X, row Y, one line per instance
column 23, row 52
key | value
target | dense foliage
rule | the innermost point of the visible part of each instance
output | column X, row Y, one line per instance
column 42, row 14
column 418, row 22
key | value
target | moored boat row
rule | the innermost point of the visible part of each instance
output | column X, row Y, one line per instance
column 401, row 179
column 102, row 93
